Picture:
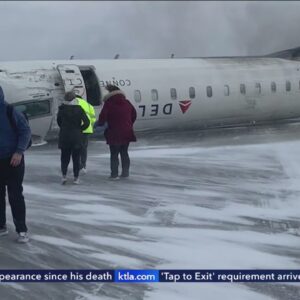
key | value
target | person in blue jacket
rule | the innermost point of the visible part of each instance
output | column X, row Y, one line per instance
column 14, row 140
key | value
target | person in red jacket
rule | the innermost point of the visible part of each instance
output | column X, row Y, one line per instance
column 119, row 115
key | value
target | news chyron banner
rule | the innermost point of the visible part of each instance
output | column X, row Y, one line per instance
column 149, row 276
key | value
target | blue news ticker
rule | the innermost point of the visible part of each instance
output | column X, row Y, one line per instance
column 150, row 276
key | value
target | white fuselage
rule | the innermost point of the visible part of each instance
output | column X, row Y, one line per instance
column 205, row 92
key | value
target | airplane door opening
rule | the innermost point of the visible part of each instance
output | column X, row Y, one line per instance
column 93, row 92
column 72, row 79
column 83, row 80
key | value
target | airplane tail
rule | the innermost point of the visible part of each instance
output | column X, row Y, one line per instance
column 291, row 54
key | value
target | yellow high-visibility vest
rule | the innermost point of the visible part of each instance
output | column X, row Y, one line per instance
column 90, row 112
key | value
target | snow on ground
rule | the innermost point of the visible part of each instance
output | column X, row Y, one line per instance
column 194, row 201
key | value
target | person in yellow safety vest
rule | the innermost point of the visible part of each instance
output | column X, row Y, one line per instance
column 90, row 112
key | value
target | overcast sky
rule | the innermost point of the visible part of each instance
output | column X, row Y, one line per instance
column 145, row 29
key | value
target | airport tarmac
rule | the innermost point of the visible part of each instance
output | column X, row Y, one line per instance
column 215, row 199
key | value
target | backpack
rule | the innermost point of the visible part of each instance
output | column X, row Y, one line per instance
column 9, row 111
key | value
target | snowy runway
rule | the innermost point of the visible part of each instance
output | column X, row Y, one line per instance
column 197, row 201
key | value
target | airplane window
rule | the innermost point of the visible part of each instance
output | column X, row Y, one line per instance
column 154, row 94
column 209, row 91
column 258, row 87
column 287, row 85
column 137, row 96
column 273, row 87
column 243, row 88
column 35, row 108
column 226, row 90
column 173, row 93
column 21, row 108
column 192, row 92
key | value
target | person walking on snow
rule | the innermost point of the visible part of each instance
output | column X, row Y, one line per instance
column 90, row 113
column 71, row 120
column 119, row 115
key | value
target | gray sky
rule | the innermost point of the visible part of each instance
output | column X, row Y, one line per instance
column 145, row 29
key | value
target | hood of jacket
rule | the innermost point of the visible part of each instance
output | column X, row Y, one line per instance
column 116, row 97
column 1, row 96
column 73, row 102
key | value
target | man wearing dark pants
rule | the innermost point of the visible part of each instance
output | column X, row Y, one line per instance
column 15, row 137
column 119, row 115
column 66, row 154
column 13, row 177
column 114, row 160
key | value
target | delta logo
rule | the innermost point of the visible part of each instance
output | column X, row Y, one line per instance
column 185, row 105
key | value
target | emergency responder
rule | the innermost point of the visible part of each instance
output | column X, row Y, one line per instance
column 90, row 113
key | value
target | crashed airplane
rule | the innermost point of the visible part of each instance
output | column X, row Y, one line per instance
column 174, row 93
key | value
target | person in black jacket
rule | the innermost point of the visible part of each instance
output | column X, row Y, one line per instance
column 72, row 120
